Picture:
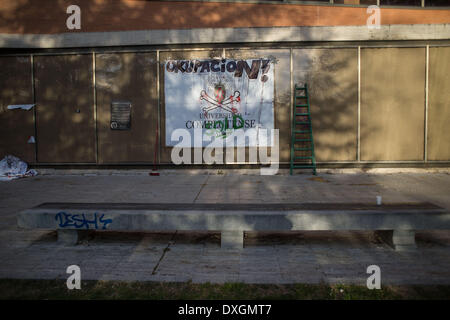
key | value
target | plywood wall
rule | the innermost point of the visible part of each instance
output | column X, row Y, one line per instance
column 439, row 104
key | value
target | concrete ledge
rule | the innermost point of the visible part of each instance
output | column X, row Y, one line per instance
column 227, row 35
column 233, row 219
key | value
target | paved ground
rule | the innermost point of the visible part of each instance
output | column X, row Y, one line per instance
column 305, row 257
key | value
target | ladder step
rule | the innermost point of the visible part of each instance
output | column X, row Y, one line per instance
column 307, row 158
column 302, row 149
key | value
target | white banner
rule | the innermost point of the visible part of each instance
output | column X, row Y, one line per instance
column 226, row 98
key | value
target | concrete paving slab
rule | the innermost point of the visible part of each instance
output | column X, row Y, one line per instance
column 314, row 257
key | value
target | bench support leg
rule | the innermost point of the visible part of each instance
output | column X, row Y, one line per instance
column 401, row 240
column 68, row 237
column 232, row 239
column 404, row 240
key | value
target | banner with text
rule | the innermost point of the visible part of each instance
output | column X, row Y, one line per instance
column 225, row 98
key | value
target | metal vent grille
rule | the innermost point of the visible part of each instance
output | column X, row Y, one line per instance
column 120, row 115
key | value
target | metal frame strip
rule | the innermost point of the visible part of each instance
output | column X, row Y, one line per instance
column 427, row 63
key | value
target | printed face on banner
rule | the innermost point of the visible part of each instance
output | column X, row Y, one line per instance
column 224, row 98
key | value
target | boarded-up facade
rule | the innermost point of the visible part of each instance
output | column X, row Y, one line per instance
column 373, row 99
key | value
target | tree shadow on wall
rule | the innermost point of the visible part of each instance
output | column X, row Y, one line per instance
column 50, row 16
column 332, row 78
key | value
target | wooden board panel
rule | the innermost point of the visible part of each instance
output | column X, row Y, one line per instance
column 392, row 103
column 281, row 95
column 439, row 104
column 176, row 55
column 332, row 77
column 16, row 126
column 65, row 109
column 127, row 77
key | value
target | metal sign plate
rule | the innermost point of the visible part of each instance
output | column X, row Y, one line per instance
column 120, row 115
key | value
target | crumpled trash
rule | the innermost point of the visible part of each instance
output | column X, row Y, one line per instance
column 12, row 168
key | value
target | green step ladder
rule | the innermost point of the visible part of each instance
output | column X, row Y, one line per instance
column 302, row 137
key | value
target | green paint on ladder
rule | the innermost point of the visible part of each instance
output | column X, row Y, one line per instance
column 302, row 127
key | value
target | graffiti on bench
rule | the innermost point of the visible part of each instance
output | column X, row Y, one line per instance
column 78, row 221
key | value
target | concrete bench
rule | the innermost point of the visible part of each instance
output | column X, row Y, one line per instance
column 397, row 221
